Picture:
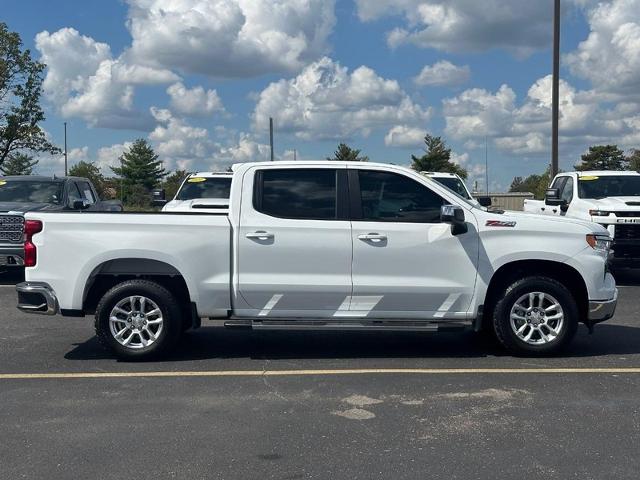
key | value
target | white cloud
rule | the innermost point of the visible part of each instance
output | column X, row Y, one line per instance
column 84, row 81
column 230, row 38
column 194, row 102
column 245, row 150
column 325, row 101
column 610, row 56
column 525, row 128
column 519, row 26
column 405, row 137
column 109, row 156
column 184, row 146
column 443, row 73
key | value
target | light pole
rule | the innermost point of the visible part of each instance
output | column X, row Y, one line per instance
column 65, row 149
column 271, row 136
column 555, row 89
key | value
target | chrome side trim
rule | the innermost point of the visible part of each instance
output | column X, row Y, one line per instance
column 49, row 304
column 601, row 310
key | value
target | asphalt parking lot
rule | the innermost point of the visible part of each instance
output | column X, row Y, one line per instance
column 231, row 404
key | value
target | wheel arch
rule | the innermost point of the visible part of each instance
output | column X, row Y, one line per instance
column 509, row 272
column 112, row 272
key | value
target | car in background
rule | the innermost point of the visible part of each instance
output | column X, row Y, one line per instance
column 202, row 191
column 455, row 183
column 31, row 193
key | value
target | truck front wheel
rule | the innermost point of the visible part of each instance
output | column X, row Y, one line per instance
column 535, row 315
column 138, row 320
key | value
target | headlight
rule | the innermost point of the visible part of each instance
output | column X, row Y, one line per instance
column 599, row 213
column 599, row 242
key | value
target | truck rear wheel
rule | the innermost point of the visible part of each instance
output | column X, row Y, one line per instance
column 138, row 320
column 535, row 316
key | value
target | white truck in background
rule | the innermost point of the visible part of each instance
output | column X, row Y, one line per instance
column 202, row 191
column 321, row 246
column 455, row 183
column 609, row 198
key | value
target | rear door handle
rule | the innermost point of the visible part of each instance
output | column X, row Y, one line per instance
column 373, row 237
column 260, row 235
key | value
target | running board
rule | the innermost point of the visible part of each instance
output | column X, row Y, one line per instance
column 346, row 325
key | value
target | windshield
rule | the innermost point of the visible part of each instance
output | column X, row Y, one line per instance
column 454, row 184
column 24, row 191
column 201, row 187
column 609, row 186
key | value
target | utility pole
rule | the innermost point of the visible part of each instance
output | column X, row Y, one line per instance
column 271, row 136
column 65, row 149
column 555, row 93
column 295, row 155
column 486, row 164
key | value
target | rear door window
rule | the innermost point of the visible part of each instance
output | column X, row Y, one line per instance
column 309, row 194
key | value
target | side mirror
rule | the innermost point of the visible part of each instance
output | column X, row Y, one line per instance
column 158, row 197
column 454, row 215
column 80, row 204
column 484, row 201
column 552, row 197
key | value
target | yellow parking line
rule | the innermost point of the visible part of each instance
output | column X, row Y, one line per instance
column 357, row 371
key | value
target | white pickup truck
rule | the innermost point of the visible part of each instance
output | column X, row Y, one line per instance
column 202, row 191
column 321, row 245
column 610, row 198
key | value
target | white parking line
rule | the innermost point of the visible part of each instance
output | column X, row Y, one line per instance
column 293, row 373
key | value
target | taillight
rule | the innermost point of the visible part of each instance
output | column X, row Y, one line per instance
column 31, row 227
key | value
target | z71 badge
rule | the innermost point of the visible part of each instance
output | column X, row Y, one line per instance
column 500, row 223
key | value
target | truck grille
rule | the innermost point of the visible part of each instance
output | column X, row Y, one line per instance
column 627, row 214
column 11, row 228
column 628, row 232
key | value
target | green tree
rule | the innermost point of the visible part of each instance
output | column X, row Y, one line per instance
column 603, row 157
column 140, row 166
column 437, row 158
column 18, row 164
column 20, row 89
column 634, row 160
column 536, row 184
column 92, row 172
column 172, row 183
column 345, row 153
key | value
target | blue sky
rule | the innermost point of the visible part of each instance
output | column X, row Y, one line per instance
column 199, row 78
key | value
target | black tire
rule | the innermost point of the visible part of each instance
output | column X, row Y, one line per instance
column 518, row 288
column 171, row 319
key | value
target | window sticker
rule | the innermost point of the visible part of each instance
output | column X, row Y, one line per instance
column 589, row 177
column 196, row 180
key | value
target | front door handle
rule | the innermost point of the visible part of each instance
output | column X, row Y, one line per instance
column 260, row 235
column 372, row 237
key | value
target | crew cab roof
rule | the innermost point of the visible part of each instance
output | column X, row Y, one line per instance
column 320, row 163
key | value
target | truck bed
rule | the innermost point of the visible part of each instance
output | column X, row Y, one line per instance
column 72, row 247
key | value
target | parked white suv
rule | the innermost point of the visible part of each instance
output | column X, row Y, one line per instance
column 609, row 198
column 322, row 246
column 202, row 191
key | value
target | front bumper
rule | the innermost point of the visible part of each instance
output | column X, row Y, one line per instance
column 601, row 310
column 37, row 297
column 11, row 255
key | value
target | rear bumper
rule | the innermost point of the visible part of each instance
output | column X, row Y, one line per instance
column 37, row 297
column 11, row 256
column 601, row 310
